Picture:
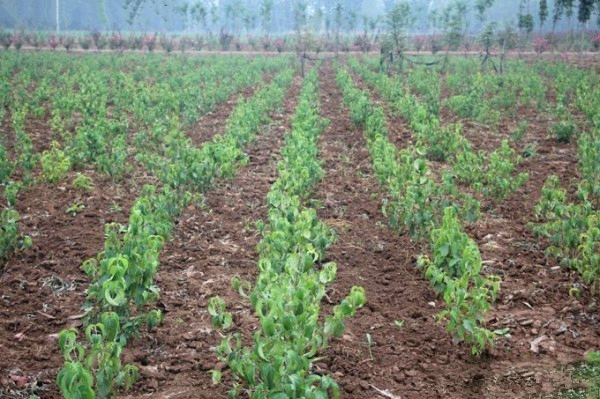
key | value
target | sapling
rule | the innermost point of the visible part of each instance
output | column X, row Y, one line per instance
column 11, row 191
column 498, row 181
column 6, row 166
column 518, row 134
column 10, row 239
column 563, row 131
column 454, row 273
column 83, row 182
column 94, row 369
column 218, row 316
column 55, row 164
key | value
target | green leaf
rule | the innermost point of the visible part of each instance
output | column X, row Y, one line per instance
column 215, row 376
column 268, row 325
column 445, row 249
column 469, row 325
column 114, row 293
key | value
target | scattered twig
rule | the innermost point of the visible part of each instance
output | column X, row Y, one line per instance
column 21, row 335
column 79, row 316
column 385, row 393
column 47, row 315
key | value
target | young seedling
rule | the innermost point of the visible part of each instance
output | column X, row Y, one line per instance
column 74, row 209
column 518, row 134
column 215, row 376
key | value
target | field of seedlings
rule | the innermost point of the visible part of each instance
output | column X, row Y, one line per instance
column 182, row 226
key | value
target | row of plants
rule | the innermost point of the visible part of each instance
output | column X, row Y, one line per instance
column 572, row 224
column 571, row 227
column 509, row 41
column 11, row 239
column 292, row 279
column 429, row 211
column 493, row 175
column 473, row 94
column 91, row 111
column 489, row 98
column 575, row 90
column 99, row 101
column 96, row 104
column 122, row 288
column 505, row 41
column 71, row 88
column 150, row 42
column 178, row 164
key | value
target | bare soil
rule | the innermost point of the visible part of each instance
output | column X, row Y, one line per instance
column 42, row 289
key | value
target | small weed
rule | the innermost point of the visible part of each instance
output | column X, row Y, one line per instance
column 587, row 372
column 504, row 332
column 116, row 208
column 345, row 159
column 530, row 150
column 74, row 209
column 340, row 211
column 315, row 203
column 247, row 225
column 215, row 377
column 518, row 134
column 574, row 291
column 362, row 174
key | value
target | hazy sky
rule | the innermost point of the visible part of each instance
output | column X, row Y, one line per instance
column 240, row 16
